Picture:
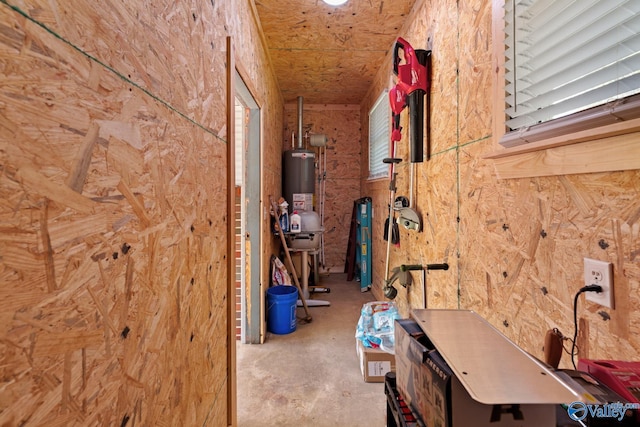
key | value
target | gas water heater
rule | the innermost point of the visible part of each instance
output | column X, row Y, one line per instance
column 298, row 173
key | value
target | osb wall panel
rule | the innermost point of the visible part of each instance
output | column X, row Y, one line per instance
column 254, row 66
column 429, row 28
column 113, row 220
column 435, row 182
column 526, row 279
column 515, row 247
column 299, row 42
column 341, row 125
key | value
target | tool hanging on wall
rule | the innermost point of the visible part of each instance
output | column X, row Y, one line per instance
column 407, row 216
column 413, row 72
column 397, row 100
column 391, row 233
column 403, row 274
column 414, row 75
column 427, row 64
column 414, row 79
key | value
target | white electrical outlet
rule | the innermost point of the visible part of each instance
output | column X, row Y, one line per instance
column 599, row 273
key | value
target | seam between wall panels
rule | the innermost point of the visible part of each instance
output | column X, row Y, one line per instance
column 458, row 291
column 112, row 70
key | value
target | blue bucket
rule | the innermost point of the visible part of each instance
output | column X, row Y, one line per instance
column 281, row 309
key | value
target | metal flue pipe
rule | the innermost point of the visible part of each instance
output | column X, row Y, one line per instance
column 300, row 122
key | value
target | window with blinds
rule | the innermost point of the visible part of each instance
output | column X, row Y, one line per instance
column 379, row 118
column 569, row 65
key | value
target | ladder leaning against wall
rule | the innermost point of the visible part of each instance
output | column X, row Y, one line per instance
column 358, row 261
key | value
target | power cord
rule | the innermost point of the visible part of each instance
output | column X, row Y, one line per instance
column 589, row 288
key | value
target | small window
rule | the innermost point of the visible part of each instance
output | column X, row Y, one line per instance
column 379, row 118
column 569, row 66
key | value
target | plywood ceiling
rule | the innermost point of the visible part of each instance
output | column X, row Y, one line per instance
column 329, row 54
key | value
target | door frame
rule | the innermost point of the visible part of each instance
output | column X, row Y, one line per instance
column 256, row 325
column 252, row 203
column 232, row 411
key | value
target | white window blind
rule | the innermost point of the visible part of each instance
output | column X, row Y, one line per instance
column 379, row 119
column 568, row 56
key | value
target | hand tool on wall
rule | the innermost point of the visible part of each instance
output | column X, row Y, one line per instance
column 414, row 72
column 407, row 216
column 402, row 273
column 397, row 100
column 414, row 75
column 390, row 226
column 398, row 274
column 410, row 90
column 392, row 235
column 427, row 63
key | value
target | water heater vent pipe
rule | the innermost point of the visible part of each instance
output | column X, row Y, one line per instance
column 300, row 137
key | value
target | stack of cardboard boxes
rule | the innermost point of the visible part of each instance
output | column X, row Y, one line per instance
column 436, row 395
column 374, row 335
column 374, row 363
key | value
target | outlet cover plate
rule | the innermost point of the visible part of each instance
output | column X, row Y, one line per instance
column 599, row 273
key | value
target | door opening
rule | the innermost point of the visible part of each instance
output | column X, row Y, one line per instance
column 239, row 241
column 248, row 207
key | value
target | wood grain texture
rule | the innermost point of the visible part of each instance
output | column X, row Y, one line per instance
column 341, row 125
column 112, row 222
column 329, row 54
column 616, row 153
column 515, row 246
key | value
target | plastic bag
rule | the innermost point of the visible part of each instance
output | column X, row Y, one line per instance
column 279, row 273
column 376, row 325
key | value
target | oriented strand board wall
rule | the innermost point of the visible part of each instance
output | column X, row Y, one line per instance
column 515, row 247
column 341, row 125
column 254, row 67
column 327, row 48
column 113, row 214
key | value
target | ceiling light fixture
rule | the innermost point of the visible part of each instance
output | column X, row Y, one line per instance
column 335, row 2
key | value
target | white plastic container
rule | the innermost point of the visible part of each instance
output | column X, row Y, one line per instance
column 284, row 217
column 310, row 222
column 295, row 225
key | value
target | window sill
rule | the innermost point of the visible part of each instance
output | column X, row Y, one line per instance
column 607, row 148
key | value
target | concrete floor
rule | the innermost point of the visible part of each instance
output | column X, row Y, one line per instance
column 311, row 377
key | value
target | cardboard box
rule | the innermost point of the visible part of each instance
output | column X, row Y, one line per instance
column 434, row 393
column 374, row 363
column 302, row 201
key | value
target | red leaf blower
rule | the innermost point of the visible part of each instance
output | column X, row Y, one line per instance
column 414, row 76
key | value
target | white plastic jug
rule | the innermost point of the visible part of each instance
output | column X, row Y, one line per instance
column 295, row 223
